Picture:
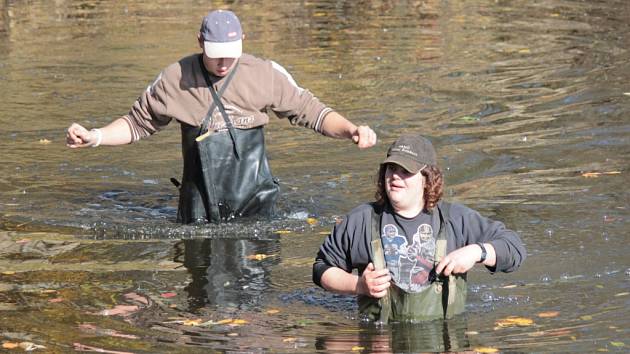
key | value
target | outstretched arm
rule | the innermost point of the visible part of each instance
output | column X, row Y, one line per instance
column 117, row 132
column 336, row 126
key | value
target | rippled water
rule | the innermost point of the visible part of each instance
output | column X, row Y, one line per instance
column 527, row 103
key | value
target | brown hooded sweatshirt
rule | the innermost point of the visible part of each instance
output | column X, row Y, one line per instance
column 258, row 86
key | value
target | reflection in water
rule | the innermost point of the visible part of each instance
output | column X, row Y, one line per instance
column 433, row 336
column 226, row 272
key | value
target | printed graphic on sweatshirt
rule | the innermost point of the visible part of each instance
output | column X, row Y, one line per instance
column 409, row 264
column 236, row 116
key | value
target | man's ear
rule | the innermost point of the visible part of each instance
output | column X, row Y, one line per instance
column 200, row 40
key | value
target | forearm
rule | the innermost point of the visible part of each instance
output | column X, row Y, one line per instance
column 339, row 281
column 491, row 255
column 336, row 126
column 117, row 132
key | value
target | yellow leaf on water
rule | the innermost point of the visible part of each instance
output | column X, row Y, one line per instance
column 192, row 322
column 8, row 272
column 509, row 286
column 597, row 174
column 232, row 334
column 9, row 345
column 622, row 294
column 272, row 311
column 486, row 350
column 617, row 344
column 283, row 232
column 627, row 93
column 548, row 314
column 603, row 350
column 586, row 318
column 239, row 322
column 356, row 348
column 44, row 141
column 599, row 286
column 289, row 340
column 524, row 51
column 311, row 221
column 225, row 321
column 471, row 333
column 514, row 321
column 258, row 257
column 324, row 233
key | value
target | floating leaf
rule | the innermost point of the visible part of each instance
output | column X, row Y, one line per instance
column 627, row 93
column 469, row 119
column 10, row 345
column 122, row 310
column 272, row 311
column 282, row 232
column 548, row 314
column 357, row 348
column 8, row 272
column 524, row 51
column 289, row 340
column 486, row 350
column 324, row 233
column 509, row 286
column 232, row 334
column 586, row 318
column 599, row 286
column 258, row 256
column 225, row 321
column 44, row 141
column 471, row 333
column 192, row 322
column 622, row 294
column 48, row 291
column 311, row 221
column 617, row 344
column 514, row 321
column 238, row 322
column 597, row 174
column 168, row 295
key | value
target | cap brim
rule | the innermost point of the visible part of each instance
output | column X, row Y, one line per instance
column 232, row 49
column 408, row 164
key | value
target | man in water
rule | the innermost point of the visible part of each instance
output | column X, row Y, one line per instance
column 221, row 98
column 446, row 240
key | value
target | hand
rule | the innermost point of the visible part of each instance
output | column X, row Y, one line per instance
column 364, row 136
column 373, row 282
column 459, row 261
column 77, row 136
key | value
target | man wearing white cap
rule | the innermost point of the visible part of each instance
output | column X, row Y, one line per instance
column 221, row 98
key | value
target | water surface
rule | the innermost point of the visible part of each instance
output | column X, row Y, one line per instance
column 526, row 102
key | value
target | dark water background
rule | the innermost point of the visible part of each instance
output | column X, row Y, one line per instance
column 522, row 98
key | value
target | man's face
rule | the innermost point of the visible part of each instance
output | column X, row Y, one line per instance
column 216, row 66
column 404, row 189
column 219, row 66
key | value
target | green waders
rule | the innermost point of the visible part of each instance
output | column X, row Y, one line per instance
column 226, row 173
column 444, row 298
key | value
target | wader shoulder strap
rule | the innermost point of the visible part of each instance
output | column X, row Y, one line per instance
column 216, row 97
column 448, row 296
column 378, row 259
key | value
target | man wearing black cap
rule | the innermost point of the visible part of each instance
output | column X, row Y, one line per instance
column 443, row 242
column 221, row 98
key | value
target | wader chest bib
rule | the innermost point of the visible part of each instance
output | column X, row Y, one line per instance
column 444, row 298
column 226, row 173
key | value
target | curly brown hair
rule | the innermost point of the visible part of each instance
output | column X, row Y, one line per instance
column 433, row 187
